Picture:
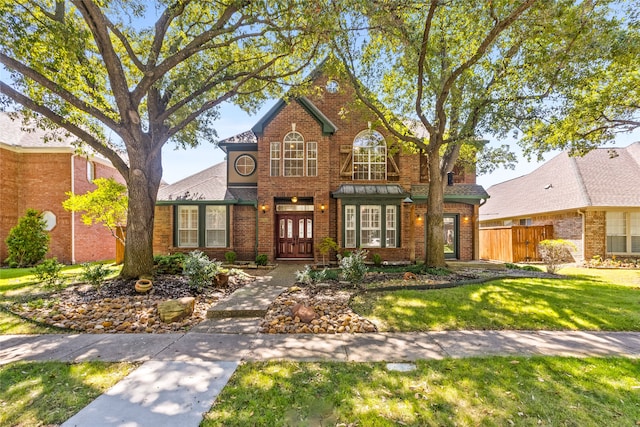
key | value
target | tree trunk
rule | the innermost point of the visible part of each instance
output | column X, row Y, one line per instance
column 435, row 210
column 143, row 192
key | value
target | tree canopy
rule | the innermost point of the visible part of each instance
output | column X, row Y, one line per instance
column 463, row 71
column 127, row 76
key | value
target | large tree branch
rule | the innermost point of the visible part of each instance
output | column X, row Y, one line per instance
column 96, row 22
column 59, row 90
column 85, row 136
column 421, row 59
column 127, row 46
column 162, row 26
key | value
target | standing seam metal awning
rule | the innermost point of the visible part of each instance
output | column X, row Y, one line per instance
column 365, row 190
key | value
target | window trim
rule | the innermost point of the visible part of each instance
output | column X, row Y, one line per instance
column 296, row 159
column 275, row 155
column 630, row 223
column 241, row 157
column 358, row 224
column 377, row 147
column 179, row 229
column 207, row 229
column 201, row 210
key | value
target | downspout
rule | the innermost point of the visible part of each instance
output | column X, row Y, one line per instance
column 584, row 241
column 73, row 214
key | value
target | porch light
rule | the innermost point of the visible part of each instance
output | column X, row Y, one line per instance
column 407, row 200
column 294, row 199
column 264, row 208
column 322, row 208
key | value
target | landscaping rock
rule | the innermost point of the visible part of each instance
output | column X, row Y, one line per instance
column 305, row 313
column 176, row 309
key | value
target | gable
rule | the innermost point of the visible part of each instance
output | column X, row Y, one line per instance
column 328, row 128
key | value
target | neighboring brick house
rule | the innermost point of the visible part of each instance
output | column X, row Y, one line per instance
column 309, row 169
column 592, row 201
column 36, row 175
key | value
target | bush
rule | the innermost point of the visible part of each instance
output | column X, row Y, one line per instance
column 555, row 252
column 353, row 267
column 230, row 257
column 511, row 266
column 262, row 259
column 377, row 260
column 169, row 264
column 94, row 274
column 27, row 242
column 200, row 270
column 305, row 276
column 49, row 272
column 326, row 246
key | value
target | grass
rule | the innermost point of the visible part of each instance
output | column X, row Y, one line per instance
column 493, row 391
column 606, row 300
column 49, row 393
column 20, row 285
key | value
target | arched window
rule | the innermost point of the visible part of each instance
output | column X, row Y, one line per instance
column 369, row 156
column 293, row 154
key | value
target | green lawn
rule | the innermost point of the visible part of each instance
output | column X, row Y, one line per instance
column 496, row 391
column 48, row 393
column 584, row 299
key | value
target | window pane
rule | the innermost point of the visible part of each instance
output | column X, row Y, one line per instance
column 187, row 226
column 616, row 224
column 309, row 229
column 369, row 156
column 275, row 159
column 350, row 226
column 370, row 226
column 391, row 227
column 616, row 244
column 216, row 226
column 312, row 158
column 293, row 154
column 635, row 231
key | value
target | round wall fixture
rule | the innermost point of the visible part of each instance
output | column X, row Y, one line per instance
column 245, row 165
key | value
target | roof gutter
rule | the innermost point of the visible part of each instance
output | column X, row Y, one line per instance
column 584, row 243
column 73, row 214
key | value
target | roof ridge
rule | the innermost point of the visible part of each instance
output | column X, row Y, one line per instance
column 584, row 194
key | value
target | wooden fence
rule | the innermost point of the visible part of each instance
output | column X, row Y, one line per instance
column 121, row 232
column 518, row 243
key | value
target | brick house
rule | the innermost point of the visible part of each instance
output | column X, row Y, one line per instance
column 592, row 201
column 36, row 175
column 311, row 168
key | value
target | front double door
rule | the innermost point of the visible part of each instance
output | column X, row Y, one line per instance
column 295, row 235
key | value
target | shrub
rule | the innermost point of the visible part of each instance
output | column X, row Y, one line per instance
column 262, row 259
column 353, row 267
column 94, row 274
column 49, row 272
column 200, row 270
column 305, row 276
column 27, row 242
column 377, row 260
column 169, row 264
column 555, row 252
column 326, row 246
column 511, row 266
column 230, row 257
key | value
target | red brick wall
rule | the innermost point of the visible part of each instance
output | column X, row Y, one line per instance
column 40, row 181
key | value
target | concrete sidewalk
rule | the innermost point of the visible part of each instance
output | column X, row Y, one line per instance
column 390, row 347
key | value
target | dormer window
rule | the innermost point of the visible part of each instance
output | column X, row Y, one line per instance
column 369, row 156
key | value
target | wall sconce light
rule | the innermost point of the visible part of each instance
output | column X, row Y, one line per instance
column 466, row 218
column 322, row 208
column 264, row 208
column 294, row 199
column 419, row 217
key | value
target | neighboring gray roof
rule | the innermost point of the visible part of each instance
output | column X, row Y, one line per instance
column 604, row 177
column 452, row 193
column 247, row 137
column 367, row 190
column 209, row 184
column 12, row 133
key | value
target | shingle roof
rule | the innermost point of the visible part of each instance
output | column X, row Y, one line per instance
column 12, row 133
column 247, row 137
column 451, row 192
column 604, row 177
column 209, row 184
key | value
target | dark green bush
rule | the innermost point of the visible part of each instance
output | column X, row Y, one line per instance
column 169, row 264
column 94, row 274
column 27, row 242
column 377, row 260
column 262, row 259
column 49, row 272
column 230, row 257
